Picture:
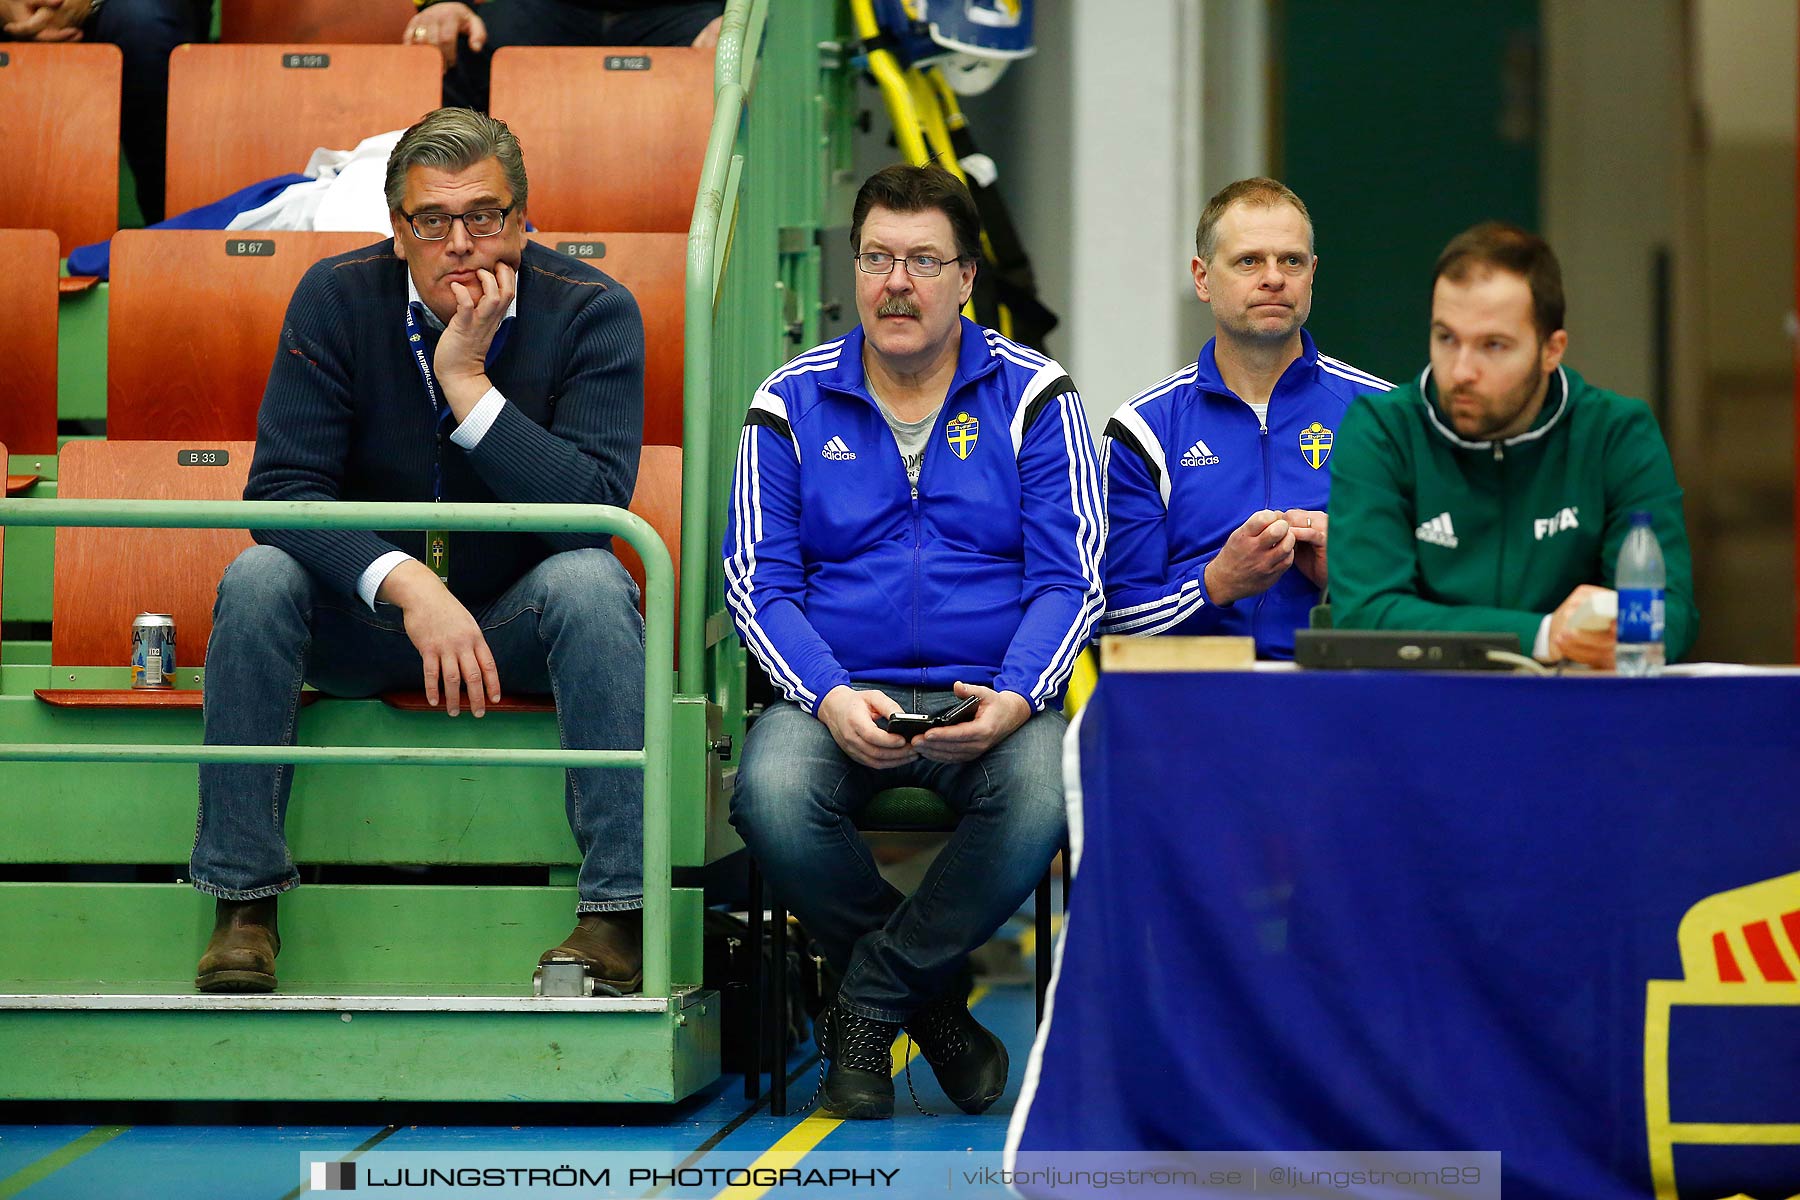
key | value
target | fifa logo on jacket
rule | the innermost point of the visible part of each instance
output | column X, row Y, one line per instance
column 1544, row 527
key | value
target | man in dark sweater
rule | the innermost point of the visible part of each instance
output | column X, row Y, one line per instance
column 457, row 362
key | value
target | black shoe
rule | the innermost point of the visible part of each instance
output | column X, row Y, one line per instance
column 860, row 1084
column 969, row 1061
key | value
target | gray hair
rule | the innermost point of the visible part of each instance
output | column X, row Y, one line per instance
column 455, row 139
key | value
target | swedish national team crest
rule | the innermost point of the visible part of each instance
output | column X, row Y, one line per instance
column 1315, row 445
column 962, row 433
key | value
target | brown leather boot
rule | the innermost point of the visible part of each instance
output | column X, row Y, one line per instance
column 241, row 955
column 610, row 946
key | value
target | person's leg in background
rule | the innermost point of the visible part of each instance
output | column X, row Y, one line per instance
column 518, row 23
column 145, row 31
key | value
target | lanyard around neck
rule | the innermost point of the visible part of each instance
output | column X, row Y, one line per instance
column 415, row 341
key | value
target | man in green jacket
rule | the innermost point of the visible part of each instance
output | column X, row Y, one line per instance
column 1494, row 491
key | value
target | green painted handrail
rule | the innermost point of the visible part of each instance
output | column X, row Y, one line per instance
column 421, row 756
column 656, row 757
column 740, row 40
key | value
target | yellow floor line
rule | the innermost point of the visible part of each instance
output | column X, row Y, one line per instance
column 806, row 1136
column 56, row 1160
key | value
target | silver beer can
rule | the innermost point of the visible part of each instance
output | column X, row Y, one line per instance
column 153, row 650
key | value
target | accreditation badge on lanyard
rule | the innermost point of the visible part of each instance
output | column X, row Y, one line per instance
column 437, row 541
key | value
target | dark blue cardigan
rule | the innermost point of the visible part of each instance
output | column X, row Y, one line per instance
column 345, row 415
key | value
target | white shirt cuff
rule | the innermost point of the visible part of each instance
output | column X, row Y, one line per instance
column 1540, row 650
column 474, row 427
column 370, row 581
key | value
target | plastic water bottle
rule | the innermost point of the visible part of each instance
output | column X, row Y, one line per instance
column 1640, row 581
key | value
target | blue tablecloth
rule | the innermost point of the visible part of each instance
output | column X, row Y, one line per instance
column 1357, row 911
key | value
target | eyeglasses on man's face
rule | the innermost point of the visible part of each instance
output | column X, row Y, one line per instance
column 480, row 222
column 919, row 266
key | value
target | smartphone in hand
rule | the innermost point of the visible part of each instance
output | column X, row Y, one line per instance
column 907, row 725
column 911, row 725
column 956, row 714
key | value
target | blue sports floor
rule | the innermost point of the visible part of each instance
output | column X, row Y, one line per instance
column 717, row 1126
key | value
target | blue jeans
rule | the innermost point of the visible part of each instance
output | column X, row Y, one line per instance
column 795, row 803
column 570, row 626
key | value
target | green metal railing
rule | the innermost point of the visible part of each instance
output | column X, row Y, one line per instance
column 776, row 163
column 654, row 759
column 740, row 40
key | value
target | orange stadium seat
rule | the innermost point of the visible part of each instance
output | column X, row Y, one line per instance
column 28, row 341
column 657, row 499
column 614, row 137
column 105, row 577
column 238, row 114
column 194, row 323
column 60, row 140
column 367, row 22
column 653, row 267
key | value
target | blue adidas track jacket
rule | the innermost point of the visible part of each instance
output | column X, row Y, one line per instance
column 1186, row 462
column 834, row 572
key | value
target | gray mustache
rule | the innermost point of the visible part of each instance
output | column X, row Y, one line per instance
column 897, row 306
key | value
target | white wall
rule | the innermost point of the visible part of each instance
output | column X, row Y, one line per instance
column 1127, row 254
column 1106, row 161
column 1746, row 87
column 1746, row 61
column 1614, row 145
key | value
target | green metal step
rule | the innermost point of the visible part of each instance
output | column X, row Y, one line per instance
column 443, row 939
column 348, row 1048
column 382, row 815
column 387, row 992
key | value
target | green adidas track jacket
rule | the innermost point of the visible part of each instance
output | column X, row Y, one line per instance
column 1431, row 531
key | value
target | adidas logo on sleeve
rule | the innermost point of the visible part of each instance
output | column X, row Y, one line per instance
column 1438, row 531
column 1199, row 455
column 837, row 450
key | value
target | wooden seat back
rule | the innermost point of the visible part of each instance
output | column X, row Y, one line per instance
column 59, row 139
column 28, row 341
column 238, row 114
column 653, row 268
column 105, row 577
column 195, row 319
column 614, row 137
